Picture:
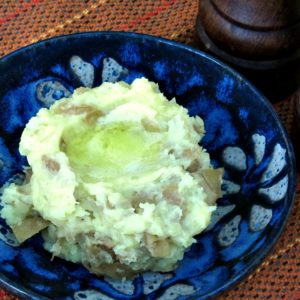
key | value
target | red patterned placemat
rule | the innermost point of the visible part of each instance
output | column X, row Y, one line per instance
column 24, row 22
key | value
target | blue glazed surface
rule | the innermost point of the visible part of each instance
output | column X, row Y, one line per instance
column 243, row 135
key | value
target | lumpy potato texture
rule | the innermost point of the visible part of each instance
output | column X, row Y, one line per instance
column 116, row 180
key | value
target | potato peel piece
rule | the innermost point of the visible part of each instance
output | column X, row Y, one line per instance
column 93, row 116
column 50, row 164
column 115, row 270
column 28, row 228
column 211, row 184
column 171, row 194
column 158, row 247
column 67, row 108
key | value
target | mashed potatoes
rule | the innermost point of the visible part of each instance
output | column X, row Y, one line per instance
column 117, row 180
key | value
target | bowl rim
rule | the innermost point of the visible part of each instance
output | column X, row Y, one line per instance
column 26, row 293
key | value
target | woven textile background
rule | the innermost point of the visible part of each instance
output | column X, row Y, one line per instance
column 24, row 22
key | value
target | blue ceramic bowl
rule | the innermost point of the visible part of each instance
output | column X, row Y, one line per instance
column 244, row 135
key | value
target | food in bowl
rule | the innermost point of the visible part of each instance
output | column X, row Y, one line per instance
column 116, row 180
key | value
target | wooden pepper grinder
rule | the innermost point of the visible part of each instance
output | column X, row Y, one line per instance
column 261, row 38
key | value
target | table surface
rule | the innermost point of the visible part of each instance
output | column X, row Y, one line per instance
column 27, row 21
